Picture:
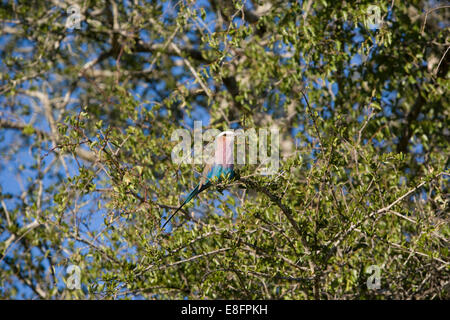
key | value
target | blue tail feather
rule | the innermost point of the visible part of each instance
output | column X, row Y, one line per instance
column 216, row 171
column 189, row 197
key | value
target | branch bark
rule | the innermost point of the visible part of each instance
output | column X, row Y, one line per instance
column 289, row 214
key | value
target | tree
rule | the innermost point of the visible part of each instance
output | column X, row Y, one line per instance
column 87, row 176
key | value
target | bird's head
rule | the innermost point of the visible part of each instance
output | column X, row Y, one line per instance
column 227, row 134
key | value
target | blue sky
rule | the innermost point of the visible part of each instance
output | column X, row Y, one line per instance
column 9, row 169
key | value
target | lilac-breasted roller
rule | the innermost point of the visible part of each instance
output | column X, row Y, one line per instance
column 222, row 166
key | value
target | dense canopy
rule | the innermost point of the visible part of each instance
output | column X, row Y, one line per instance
column 92, row 91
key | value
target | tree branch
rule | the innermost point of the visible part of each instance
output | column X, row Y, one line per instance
column 82, row 153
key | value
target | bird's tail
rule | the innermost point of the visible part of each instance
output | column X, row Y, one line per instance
column 192, row 194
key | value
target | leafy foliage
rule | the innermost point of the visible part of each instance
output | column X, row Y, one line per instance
column 87, row 176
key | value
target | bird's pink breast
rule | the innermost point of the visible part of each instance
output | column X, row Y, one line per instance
column 224, row 154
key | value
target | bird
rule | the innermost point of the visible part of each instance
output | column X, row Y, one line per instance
column 222, row 166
